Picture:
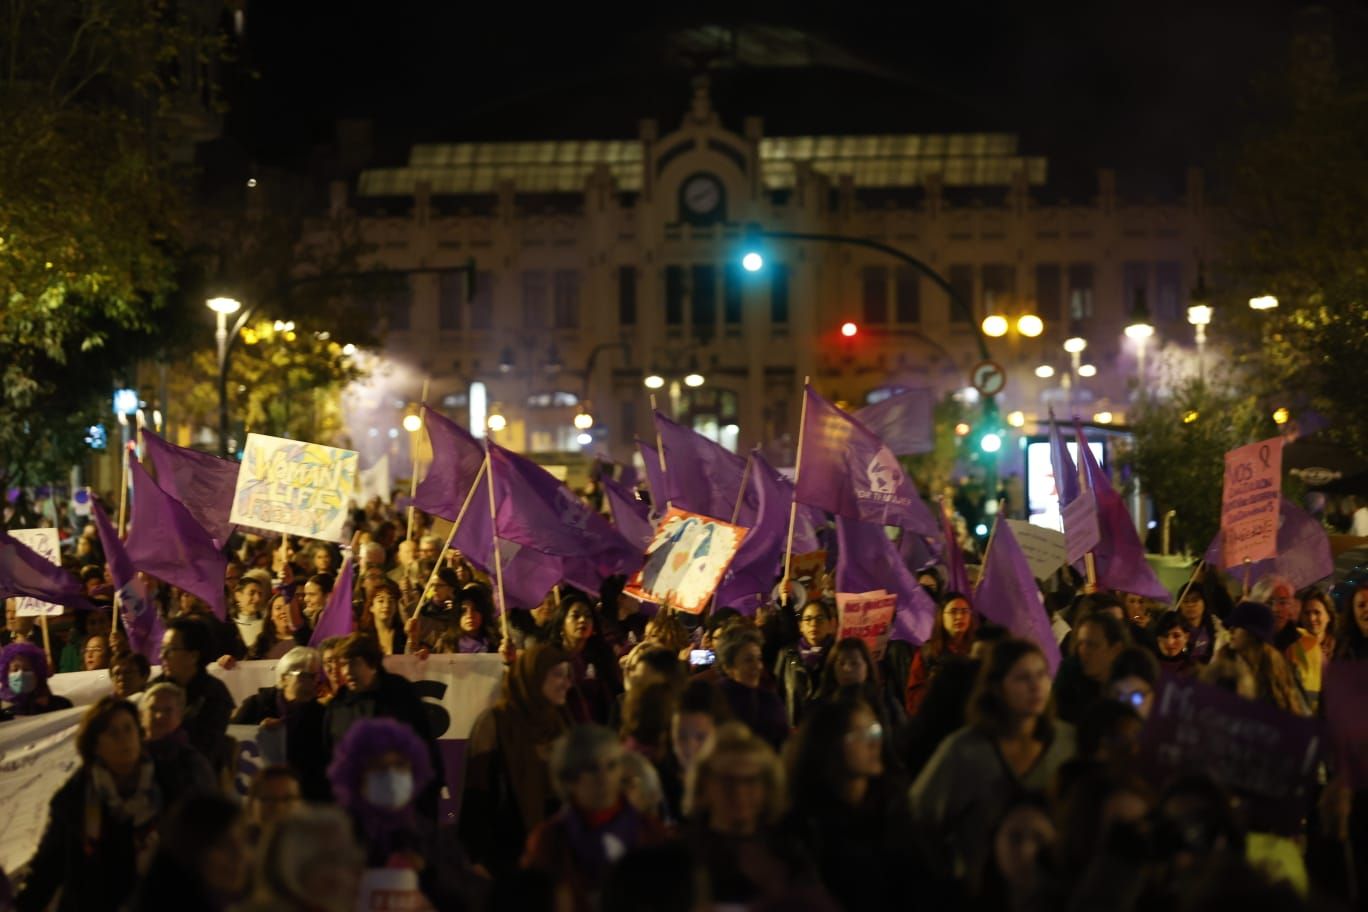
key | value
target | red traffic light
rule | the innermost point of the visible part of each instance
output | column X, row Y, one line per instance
column 849, row 329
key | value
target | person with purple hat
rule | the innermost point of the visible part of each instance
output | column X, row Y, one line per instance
column 24, row 682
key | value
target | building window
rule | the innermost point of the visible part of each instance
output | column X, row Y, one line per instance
column 732, row 279
column 962, row 283
column 1134, row 285
column 907, row 300
column 1080, row 291
column 704, row 300
column 999, row 287
column 398, row 307
column 534, row 299
column 450, row 294
column 779, row 295
column 874, row 294
column 482, row 304
column 627, row 295
column 1048, row 291
column 566, row 304
column 674, row 295
column 1168, row 292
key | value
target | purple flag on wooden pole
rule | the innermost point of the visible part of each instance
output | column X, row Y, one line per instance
column 700, row 476
column 1120, row 557
column 631, row 516
column 1065, row 472
column 869, row 561
column 204, row 484
column 754, row 570
column 456, row 459
column 142, row 623
column 337, row 619
column 845, row 469
column 165, row 541
column 655, row 478
column 904, row 421
column 1007, row 593
column 25, row 572
column 1303, row 550
column 956, row 575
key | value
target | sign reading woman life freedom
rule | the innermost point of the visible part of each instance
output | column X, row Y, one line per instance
column 294, row 487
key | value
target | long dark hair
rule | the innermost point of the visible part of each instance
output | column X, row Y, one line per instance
column 817, row 754
column 987, row 709
column 831, row 690
column 1350, row 643
column 939, row 642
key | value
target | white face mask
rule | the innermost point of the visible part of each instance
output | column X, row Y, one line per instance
column 390, row 789
column 21, row 682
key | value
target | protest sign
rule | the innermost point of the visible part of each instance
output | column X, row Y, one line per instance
column 867, row 615
column 294, row 487
column 1345, row 721
column 1081, row 531
column 48, row 545
column 1250, row 498
column 685, row 560
column 809, row 565
column 1044, row 548
column 1266, row 756
column 37, row 755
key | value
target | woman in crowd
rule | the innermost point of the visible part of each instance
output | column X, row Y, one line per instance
column 951, row 638
column 316, row 592
column 309, row 862
column 129, row 672
column 1205, row 632
column 248, row 615
column 273, row 795
column 208, row 705
column 1171, row 644
column 739, row 658
column 292, row 705
column 646, row 715
column 1133, row 678
column 102, row 822
column 641, row 786
column 1012, row 742
column 849, row 812
column 284, row 630
column 95, row 653
column 203, row 858
column 475, row 630
column 381, row 619
column 1020, row 855
column 1251, row 638
column 330, row 653
column 1351, row 631
column 798, row 670
column 596, row 667
column 596, row 825
column 24, row 681
column 1318, row 619
column 508, row 786
column 850, row 671
column 698, row 712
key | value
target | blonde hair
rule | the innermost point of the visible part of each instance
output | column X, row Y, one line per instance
column 736, row 740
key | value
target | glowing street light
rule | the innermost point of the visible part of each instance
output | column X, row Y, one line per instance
column 1087, row 370
column 497, row 422
column 1030, row 326
column 225, row 306
column 1016, row 419
column 1281, row 416
column 752, row 262
column 1075, row 345
column 654, row 381
column 1263, row 302
column 1103, row 417
column 990, row 443
column 995, row 326
column 693, row 380
column 412, row 423
column 849, row 329
column 584, row 421
column 1044, row 372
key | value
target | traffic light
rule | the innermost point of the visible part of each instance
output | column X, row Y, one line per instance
column 849, row 330
column 989, row 432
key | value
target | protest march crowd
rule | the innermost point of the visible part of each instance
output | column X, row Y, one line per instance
column 830, row 715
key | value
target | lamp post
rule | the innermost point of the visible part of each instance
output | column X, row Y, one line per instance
column 1140, row 329
column 223, row 308
column 1199, row 315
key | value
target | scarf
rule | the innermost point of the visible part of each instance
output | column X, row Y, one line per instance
column 526, row 723
column 813, row 657
column 140, row 809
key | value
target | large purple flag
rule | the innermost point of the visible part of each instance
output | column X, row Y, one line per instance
column 956, row 575
column 336, row 619
column 456, row 459
column 754, row 570
column 24, row 571
column 655, row 478
column 1303, row 550
column 142, row 623
column 1119, row 556
column 905, row 421
column 528, row 574
column 1065, row 472
column 1007, row 593
column 165, row 541
column 700, row 476
column 845, row 469
column 869, row 561
column 203, row 483
column 631, row 516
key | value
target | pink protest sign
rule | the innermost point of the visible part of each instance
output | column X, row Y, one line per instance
column 867, row 615
column 1081, row 531
column 1250, row 501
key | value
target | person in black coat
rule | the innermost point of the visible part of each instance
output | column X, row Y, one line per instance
column 738, row 650
column 103, row 820
column 293, row 704
column 186, row 652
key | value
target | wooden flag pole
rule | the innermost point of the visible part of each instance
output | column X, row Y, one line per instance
column 1191, row 579
column 1248, row 574
column 498, row 563
column 660, row 450
column 413, row 445
column 793, row 507
column 460, row 516
column 123, row 495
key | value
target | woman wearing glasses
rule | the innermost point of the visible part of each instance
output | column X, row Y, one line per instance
column 292, row 705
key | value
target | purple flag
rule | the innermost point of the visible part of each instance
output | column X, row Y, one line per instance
column 336, row 619
column 165, row 541
column 1120, row 557
column 756, row 567
column 24, row 571
column 456, row 459
column 700, row 476
column 528, row 574
column 845, row 469
column 903, row 421
column 1007, row 594
column 631, row 516
column 1303, row 550
column 1065, row 472
column 203, row 483
column 655, row 478
column 956, row 576
column 141, row 621
column 868, row 561
column 806, row 525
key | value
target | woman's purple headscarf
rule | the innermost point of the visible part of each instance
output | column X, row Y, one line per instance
column 40, row 671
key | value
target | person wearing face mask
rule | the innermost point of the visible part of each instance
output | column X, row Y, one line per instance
column 798, row 670
column 378, row 772
column 292, row 705
column 596, row 825
column 24, row 682
column 508, row 784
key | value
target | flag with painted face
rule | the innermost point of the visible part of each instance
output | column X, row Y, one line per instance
column 165, row 541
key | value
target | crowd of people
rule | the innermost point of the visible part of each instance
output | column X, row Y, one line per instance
column 651, row 759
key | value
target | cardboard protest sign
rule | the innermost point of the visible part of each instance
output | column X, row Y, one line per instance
column 809, row 565
column 685, row 560
column 867, row 615
column 1266, row 756
column 48, row 544
column 1044, row 548
column 1081, row 531
column 294, row 487
column 1345, row 721
column 1250, row 499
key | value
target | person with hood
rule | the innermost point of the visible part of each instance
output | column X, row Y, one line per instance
column 24, row 682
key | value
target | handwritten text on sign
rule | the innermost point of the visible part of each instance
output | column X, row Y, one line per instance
column 294, row 487
column 1250, row 501
column 47, row 544
column 867, row 615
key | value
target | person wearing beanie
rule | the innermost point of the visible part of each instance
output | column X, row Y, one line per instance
column 1252, row 629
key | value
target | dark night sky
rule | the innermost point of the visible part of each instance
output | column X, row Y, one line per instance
column 1145, row 87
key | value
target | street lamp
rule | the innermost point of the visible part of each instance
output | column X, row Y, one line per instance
column 1087, row 370
column 1199, row 315
column 1045, row 371
column 412, row 423
column 995, row 326
column 223, row 308
column 1030, row 326
column 1263, row 302
column 583, row 420
column 1140, row 329
column 653, row 381
column 694, row 379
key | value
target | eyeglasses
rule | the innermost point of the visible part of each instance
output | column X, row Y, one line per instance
column 870, row 735
column 812, row 619
column 310, row 675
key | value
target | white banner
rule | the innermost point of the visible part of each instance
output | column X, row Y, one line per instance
column 37, row 754
column 47, row 544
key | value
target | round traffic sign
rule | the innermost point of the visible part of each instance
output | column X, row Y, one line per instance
column 988, row 378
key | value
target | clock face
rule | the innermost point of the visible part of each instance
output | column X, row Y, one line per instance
column 702, row 194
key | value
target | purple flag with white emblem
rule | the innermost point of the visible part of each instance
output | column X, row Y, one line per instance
column 1304, row 555
column 868, row 561
column 456, row 460
column 844, row 468
column 204, row 484
column 142, row 624
column 1007, row 594
column 165, row 541
column 337, row 619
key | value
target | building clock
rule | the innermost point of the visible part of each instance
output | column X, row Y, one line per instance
column 700, row 198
